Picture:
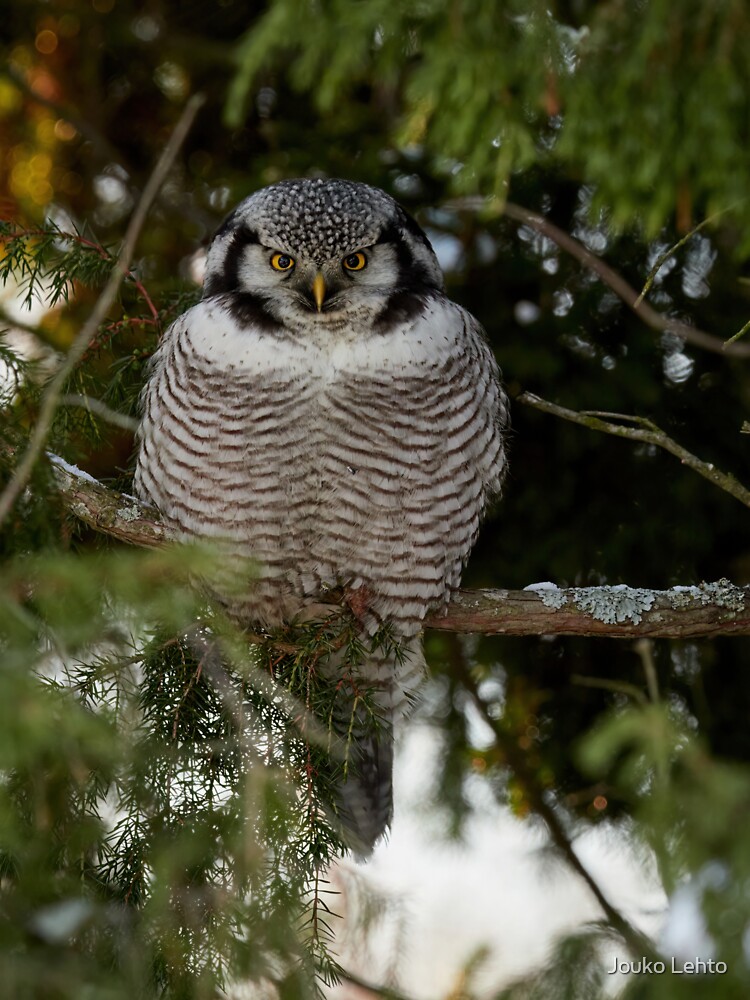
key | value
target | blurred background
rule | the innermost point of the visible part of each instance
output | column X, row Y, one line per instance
column 626, row 126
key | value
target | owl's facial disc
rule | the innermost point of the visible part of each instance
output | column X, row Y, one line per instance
column 326, row 252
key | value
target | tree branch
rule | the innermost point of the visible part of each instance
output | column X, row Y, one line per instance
column 650, row 316
column 112, row 513
column 647, row 432
column 54, row 390
column 706, row 610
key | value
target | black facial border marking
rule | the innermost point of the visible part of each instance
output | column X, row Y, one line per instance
column 246, row 308
column 414, row 283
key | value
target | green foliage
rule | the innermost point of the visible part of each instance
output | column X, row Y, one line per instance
column 658, row 99
column 47, row 262
column 648, row 103
column 168, row 801
column 473, row 77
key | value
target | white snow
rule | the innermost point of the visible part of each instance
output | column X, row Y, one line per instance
column 499, row 892
column 73, row 470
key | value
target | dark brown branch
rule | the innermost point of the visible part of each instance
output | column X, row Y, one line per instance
column 650, row 316
column 706, row 610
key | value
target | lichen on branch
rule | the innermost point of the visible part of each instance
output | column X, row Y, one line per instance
column 705, row 609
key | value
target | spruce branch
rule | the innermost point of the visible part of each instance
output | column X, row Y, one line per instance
column 54, row 390
column 646, row 432
column 705, row 610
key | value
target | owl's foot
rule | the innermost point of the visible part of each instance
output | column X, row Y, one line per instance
column 359, row 600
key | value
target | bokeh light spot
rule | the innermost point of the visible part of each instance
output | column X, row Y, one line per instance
column 64, row 131
column 46, row 42
column 68, row 26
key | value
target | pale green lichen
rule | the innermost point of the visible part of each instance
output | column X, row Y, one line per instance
column 682, row 597
column 621, row 604
column 723, row 594
column 128, row 513
column 550, row 594
column 614, row 605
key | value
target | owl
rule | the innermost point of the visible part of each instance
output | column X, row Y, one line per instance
column 328, row 416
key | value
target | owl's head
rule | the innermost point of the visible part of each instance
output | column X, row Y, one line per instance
column 321, row 251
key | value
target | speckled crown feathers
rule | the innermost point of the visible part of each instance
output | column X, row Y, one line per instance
column 319, row 218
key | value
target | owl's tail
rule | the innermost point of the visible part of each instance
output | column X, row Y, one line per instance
column 364, row 719
column 365, row 796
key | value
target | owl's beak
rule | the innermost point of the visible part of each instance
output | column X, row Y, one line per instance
column 319, row 290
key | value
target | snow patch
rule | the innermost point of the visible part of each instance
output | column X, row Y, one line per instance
column 72, row 470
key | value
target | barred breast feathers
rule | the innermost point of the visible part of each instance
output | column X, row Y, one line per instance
column 369, row 456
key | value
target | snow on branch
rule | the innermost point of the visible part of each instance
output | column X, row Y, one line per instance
column 112, row 513
column 706, row 610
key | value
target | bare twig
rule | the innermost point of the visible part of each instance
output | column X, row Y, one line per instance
column 55, row 388
column 650, row 316
column 740, row 333
column 645, row 431
column 671, row 251
column 101, row 410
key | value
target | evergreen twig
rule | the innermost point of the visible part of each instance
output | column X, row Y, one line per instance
column 54, row 390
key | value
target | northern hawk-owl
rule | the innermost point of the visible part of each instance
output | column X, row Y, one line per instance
column 326, row 411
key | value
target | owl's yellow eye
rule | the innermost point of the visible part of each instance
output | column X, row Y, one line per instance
column 282, row 262
column 355, row 262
